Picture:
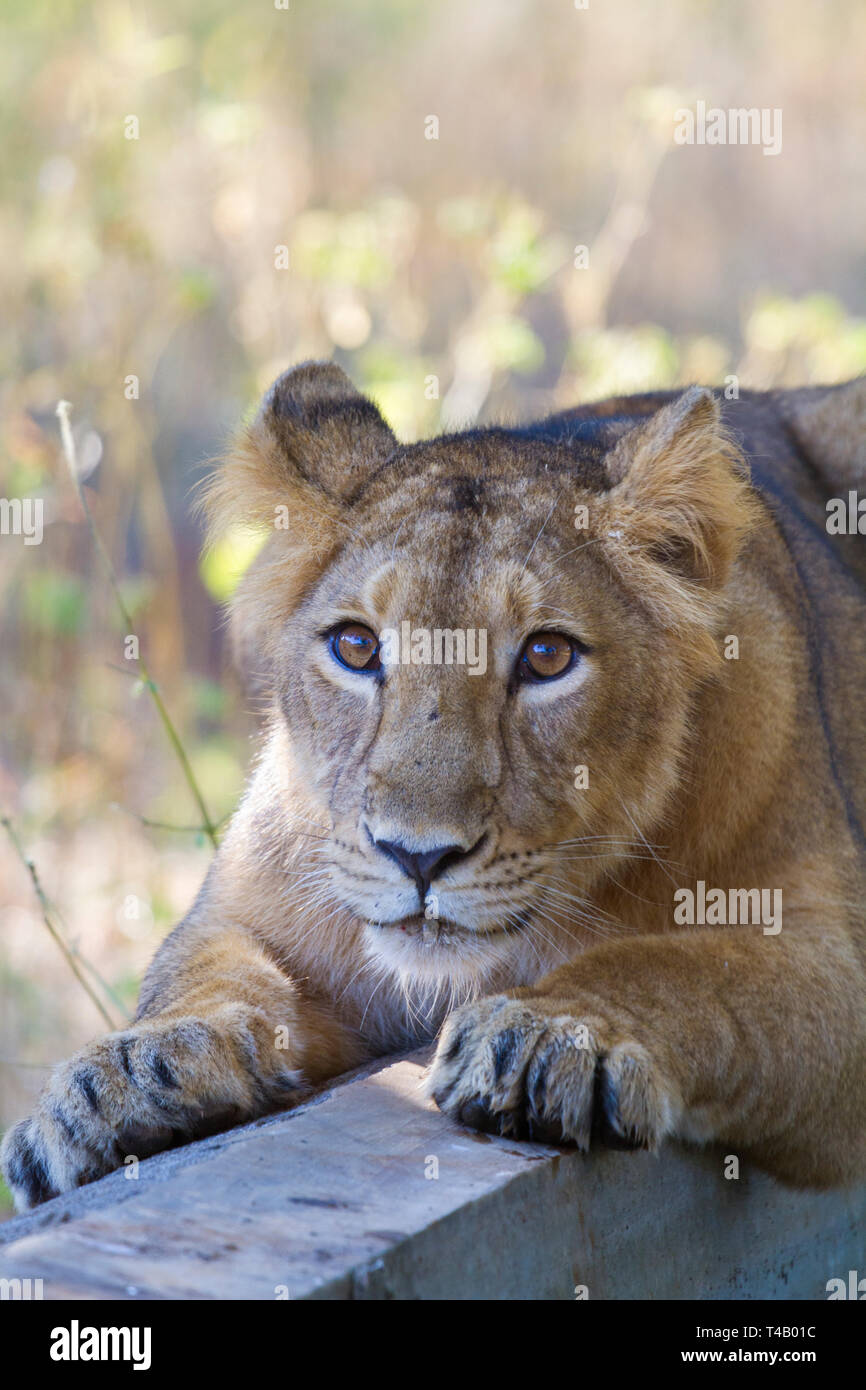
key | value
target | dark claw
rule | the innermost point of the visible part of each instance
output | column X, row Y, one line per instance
column 163, row 1073
column 85, row 1083
column 506, row 1050
column 606, row 1120
column 539, row 1091
column 454, row 1046
column 546, row 1132
column 143, row 1143
column 476, row 1114
column 25, row 1167
column 123, row 1048
column 61, row 1121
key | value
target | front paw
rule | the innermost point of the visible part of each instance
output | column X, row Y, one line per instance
column 143, row 1090
column 530, row 1069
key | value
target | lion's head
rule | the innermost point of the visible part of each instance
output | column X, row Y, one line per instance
column 574, row 577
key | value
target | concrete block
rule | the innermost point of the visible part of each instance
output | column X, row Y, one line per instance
column 368, row 1192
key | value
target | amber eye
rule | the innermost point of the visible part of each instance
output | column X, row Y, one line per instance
column 545, row 656
column 356, row 647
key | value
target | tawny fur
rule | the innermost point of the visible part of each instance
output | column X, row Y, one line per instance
column 570, row 1004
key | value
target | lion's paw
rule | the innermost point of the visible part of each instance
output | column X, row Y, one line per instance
column 529, row 1070
column 142, row 1090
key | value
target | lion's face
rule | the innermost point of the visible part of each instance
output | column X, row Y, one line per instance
column 513, row 780
column 487, row 702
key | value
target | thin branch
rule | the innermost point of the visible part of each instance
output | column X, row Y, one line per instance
column 45, row 904
column 164, row 824
column 63, row 409
column 37, row 1066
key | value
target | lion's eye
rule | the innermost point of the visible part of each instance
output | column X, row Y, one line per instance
column 545, row 656
column 356, row 647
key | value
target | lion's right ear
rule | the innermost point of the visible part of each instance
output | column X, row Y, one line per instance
column 313, row 440
column 293, row 472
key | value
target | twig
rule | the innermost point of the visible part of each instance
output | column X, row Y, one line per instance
column 109, row 990
column 164, row 825
column 63, row 409
column 37, row 1066
column 46, row 917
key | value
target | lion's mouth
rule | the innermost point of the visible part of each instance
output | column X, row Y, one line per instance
column 436, row 931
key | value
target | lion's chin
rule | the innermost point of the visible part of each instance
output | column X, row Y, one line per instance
column 433, row 949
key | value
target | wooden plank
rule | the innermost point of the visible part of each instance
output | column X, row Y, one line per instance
column 368, row 1192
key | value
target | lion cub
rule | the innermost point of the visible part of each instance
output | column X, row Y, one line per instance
column 620, row 870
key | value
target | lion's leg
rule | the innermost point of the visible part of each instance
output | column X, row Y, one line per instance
column 234, row 1040
column 755, row 1040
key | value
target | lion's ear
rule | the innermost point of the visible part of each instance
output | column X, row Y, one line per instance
column 292, row 473
column 679, row 498
column 313, row 440
column 323, row 428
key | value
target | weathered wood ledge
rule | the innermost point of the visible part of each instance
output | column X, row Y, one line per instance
column 368, row 1192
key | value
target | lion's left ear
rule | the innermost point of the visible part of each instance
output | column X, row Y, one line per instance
column 679, row 499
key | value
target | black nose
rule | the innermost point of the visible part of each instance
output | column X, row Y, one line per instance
column 426, row 866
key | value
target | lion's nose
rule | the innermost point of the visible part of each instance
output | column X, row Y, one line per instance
column 426, row 865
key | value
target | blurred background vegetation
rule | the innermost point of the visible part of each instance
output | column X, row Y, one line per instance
column 439, row 271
